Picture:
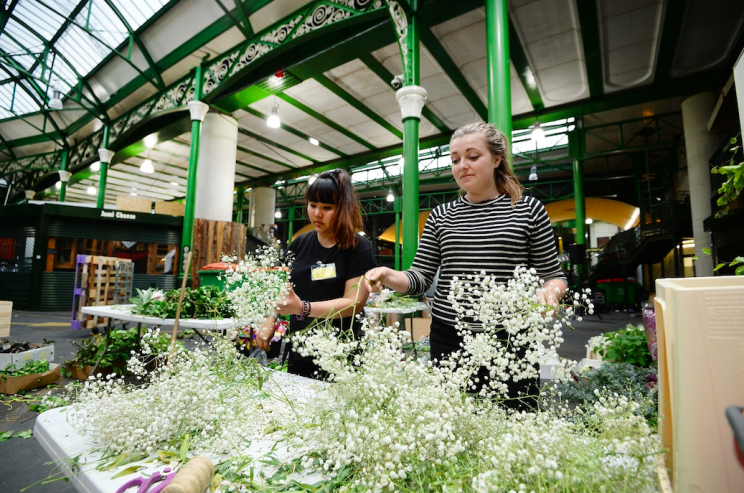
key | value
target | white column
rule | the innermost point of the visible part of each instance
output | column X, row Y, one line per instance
column 215, row 175
column 263, row 202
column 700, row 146
column 739, row 84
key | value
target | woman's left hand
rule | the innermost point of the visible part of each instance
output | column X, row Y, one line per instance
column 292, row 305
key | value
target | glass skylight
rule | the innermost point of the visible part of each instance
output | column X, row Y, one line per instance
column 52, row 44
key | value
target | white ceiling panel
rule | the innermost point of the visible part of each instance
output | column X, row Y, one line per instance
column 708, row 33
column 274, row 11
column 271, row 151
column 553, row 23
column 280, row 136
column 630, row 40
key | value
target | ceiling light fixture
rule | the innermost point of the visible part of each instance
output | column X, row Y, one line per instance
column 533, row 173
column 589, row 220
column 273, row 120
column 390, row 196
column 133, row 194
column 538, row 132
column 174, row 183
column 313, row 141
column 312, row 179
column 55, row 102
column 278, row 214
column 92, row 191
column 150, row 141
column 95, row 167
column 147, row 167
column 58, row 185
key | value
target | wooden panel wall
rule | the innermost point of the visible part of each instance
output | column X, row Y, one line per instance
column 212, row 239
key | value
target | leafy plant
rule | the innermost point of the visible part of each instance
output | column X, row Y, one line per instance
column 30, row 368
column 732, row 187
column 636, row 383
column 7, row 435
column 121, row 345
column 720, row 265
column 628, row 345
column 206, row 302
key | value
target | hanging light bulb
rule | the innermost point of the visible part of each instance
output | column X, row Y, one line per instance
column 55, row 102
column 278, row 214
column 150, row 141
column 92, row 191
column 95, row 167
column 533, row 173
column 58, row 185
column 538, row 133
column 312, row 179
column 390, row 196
column 273, row 120
column 147, row 167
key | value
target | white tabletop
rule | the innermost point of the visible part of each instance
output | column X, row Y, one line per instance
column 418, row 307
column 124, row 312
column 60, row 440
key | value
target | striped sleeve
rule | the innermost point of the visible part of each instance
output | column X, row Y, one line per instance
column 542, row 253
column 428, row 258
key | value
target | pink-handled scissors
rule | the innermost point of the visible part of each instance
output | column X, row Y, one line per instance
column 145, row 483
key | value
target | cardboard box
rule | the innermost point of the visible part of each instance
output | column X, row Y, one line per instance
column 20, row 359
column 11, row 385
column 421, row 327
column 6, row 312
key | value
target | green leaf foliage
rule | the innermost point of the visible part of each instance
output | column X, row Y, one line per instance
column 628, row 345
column 206, row 302
column 30, row 368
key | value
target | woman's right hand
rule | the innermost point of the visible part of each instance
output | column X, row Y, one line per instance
column 375, row 278
column 265, row 334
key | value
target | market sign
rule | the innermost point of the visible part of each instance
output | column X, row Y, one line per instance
column 118, row 215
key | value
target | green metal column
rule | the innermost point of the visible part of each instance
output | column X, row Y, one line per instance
column 497, row 66
column 63, row 167
column 574, row 140
column 290, row 233
column 197, row 117
column 239, row 205
column 103, row 172
column 397, row 231
column 411, row 98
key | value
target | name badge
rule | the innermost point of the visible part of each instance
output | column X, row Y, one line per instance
column 323, row 271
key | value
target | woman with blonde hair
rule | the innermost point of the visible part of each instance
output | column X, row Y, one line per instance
column 492, row 228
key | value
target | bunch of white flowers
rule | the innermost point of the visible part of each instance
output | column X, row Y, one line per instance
column 516, row 333
column 211, row 394
column 255, row 284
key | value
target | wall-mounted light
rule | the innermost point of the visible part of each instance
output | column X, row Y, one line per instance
column 390, row 196
column 273, row 120
column 278, row 214
column 92, row 191
column 538, row 133
column 95, row 167
column 147, row 167
column 533, row 173
column 313, row 141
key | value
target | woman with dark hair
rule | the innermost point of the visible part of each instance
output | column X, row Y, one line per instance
column 492, row 228
column 327, row 268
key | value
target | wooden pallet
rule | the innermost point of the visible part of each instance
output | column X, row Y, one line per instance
column 95, row 280
column 212, row 239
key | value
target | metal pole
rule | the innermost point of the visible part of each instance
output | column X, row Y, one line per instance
column 63, row 167
column 290, row 232
column 103, row 170
column 397, row 232
column 574, row 143
column 197, row 110
column 497, row 66
column 239, row 205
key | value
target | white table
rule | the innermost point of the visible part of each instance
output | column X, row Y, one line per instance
column 61, row 441
column 418, row 307
column 124, row 312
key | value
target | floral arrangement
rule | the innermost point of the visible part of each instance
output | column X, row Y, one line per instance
column 384, row 422
column 255, row 283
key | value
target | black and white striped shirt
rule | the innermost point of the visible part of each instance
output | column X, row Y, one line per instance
column 467, row 238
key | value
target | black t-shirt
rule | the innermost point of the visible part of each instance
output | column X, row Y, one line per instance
column 349, row 263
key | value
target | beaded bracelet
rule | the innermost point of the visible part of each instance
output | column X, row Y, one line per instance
column 305, row 311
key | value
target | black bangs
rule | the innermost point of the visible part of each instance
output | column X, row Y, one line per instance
column 324, row 189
